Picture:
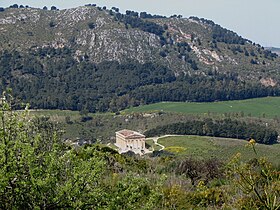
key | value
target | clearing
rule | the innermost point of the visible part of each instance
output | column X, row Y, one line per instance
column 221, row 148
column 268, row 107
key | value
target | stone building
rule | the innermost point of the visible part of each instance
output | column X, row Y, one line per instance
column 127, row 140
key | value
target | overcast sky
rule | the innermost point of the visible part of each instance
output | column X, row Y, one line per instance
column 257, row 20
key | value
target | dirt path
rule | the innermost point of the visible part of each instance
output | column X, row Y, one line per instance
column 155, row 139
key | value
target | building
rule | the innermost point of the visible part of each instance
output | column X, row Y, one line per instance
column 127, row 140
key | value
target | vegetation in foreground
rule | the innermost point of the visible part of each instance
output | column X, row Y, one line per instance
column 39, row 172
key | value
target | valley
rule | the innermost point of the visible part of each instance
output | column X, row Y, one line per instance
column 212, row 147
column 101, row 128
column 204, row 99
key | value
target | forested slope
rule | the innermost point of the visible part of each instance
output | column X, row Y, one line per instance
column 98, row 59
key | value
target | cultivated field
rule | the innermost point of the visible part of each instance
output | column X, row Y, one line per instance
column 268, row 107
column 221, row 148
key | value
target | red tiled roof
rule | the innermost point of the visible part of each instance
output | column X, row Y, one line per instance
column 126, row 132
column 130, row 134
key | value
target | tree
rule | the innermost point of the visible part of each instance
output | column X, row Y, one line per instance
column 14, row 6
column 252, row 61
column 116, row 9
column 45, row 8
column 194, row 65
column 191, row 168
column 162, row 54
column 91, row 25
column 52, row 24
column 53, row 8
column 37, row 171
column 257, row 180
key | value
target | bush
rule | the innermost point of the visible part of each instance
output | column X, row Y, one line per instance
column 86, row 118
column 53, row 8
column 14, row 6
column 91, row 25
column 52, row 24
column 258, row 181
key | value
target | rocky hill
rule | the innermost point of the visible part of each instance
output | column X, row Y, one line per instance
column 274, row 50
column 99, row 59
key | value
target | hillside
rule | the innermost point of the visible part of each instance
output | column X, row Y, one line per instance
column 274, row 50
column 96, row 59
column 212, row 147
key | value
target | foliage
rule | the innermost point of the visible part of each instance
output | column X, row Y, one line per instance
column 99, row 87
column 197, row 170
column 258, row 181
column 134, row 192
column 53, row 8
column 219, row 128
column 131, row 18
column 206, row 196
column 220, row 34
column 61, row 78
column 91, row 25
column 48, row 79
column 14, row 6
column 52, row 24
column 147, row 15
column 37, row 171
column 188, row 88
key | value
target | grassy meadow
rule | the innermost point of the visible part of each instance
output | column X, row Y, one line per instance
column 268, row 107
column 103, row 126
column 56, row 115
column 221, row 148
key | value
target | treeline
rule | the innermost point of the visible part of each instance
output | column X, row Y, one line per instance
column 220, row 34
column 221, row 87
column 52, row 79
column 227, row 128
column 131, row 19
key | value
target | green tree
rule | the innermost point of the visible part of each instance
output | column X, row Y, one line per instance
column 91, row 25
column 258, row 181
column 38, row 171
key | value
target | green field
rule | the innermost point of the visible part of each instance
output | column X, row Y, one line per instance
column 59, row 115
column 221, row 148
column 151, row 145
column 56, row 115
column 268, row 107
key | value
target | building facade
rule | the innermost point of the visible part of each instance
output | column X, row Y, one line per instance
column 127, row 140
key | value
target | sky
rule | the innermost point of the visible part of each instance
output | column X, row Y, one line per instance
column 257, row 20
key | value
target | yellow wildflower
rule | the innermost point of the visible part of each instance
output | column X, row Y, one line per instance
column 252, row 141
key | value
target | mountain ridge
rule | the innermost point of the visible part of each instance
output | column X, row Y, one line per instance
column 189, row 48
